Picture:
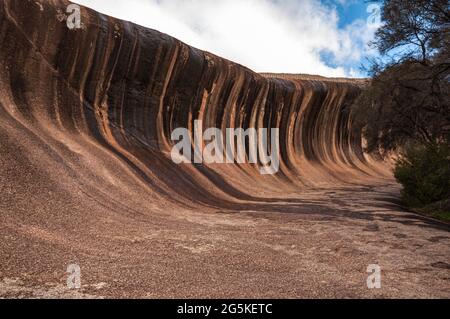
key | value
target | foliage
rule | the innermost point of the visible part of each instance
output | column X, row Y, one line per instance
column 424, row 172
column 406, row 107
column 408, row 100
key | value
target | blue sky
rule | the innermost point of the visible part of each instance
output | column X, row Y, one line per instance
column 324, row 37
column 350, row 11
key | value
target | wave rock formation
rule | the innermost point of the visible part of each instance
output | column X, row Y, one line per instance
column 86, row 117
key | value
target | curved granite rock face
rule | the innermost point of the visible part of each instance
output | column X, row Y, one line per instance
column 125, row 88
column 86, row 174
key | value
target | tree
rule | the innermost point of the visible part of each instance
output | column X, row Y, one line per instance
column 408, row 100
column 406, row 107
column 413, row 29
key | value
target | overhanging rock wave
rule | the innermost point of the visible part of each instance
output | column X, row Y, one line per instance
column 96, row 106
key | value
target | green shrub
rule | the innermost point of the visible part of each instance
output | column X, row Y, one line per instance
column 424, row 172
column 439, row 210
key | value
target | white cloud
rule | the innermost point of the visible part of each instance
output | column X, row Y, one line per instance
column 265, row 35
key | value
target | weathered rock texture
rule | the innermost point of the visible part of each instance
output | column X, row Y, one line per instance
column 85, row 122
